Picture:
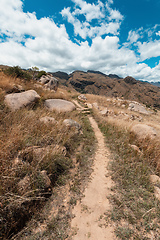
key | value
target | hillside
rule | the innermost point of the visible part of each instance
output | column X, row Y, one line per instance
column 61, row 152
column 94, row 82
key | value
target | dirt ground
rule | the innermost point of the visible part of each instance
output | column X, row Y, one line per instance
column 89, row 222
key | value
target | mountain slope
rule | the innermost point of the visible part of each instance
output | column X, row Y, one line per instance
column 113, row 86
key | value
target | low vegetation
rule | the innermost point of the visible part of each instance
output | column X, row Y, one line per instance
column 36, row 157
column 135, row 210
column 17, row 72
column 44, row 167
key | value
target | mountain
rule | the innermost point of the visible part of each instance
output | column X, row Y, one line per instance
column 156, row 84
column 98, row 83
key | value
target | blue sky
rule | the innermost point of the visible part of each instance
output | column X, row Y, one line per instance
column 112, row 36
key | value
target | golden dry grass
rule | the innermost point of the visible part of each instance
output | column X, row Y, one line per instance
column 149, row 147
column 21, row 131
column 6, row 82
column 122, row 120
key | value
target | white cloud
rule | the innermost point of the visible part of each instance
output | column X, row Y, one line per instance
column 158, row 33
column 41, row 42
column 133, row 36
column 115, row 15
column 148, row 50
column 108, row 19
column 90, row 11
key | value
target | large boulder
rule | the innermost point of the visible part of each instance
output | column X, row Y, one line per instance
column 16, row 101
column 59, row 105
column 142, row 131
column 49, row 82
column 137, row 107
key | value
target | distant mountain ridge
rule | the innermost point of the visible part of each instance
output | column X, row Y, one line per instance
column 96, row 82
column 112, row 85
column 156, row 84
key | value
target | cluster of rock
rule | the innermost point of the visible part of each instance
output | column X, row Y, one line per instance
column 142, row 131
column 49, row 82
column 16, row 101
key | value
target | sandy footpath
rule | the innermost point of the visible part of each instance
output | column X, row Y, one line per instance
column 88, row 222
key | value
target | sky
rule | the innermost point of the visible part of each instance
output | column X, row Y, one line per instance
column 112, row 36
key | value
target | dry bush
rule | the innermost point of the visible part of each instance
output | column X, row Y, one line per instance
column 7, row 82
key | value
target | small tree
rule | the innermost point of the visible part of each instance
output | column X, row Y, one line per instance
column 35, row 70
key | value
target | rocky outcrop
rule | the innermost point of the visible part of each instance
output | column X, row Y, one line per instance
column 94, row 82
column 142, row 131
column 59, row 105
column 16, row 101
column 130, row 80
column 137, row 107
column 49, row 82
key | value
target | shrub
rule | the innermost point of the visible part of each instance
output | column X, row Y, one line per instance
column 41, row 73
column 17, row 72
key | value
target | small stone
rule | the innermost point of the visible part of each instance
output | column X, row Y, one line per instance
column 72, row 123
column 95, row 105
column 104, row 112
column 82, row 97
column 47, row 120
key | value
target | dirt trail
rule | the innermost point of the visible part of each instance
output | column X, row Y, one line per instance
column 89, row 213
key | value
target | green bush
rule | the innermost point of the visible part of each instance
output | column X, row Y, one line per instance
column 41, row 73
column 18, row 73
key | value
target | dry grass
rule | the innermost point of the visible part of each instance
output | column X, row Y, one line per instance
column 21, row 133
column 135, row 210
column 7, row 83
column 123, row 120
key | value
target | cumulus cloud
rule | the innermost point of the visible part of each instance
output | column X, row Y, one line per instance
column 107, row 19
column 133, row 36
column 148, row 50
column 28, row 41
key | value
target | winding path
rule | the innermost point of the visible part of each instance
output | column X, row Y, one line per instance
column 89, row 222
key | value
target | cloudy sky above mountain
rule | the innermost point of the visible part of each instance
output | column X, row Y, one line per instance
column 111, row 36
